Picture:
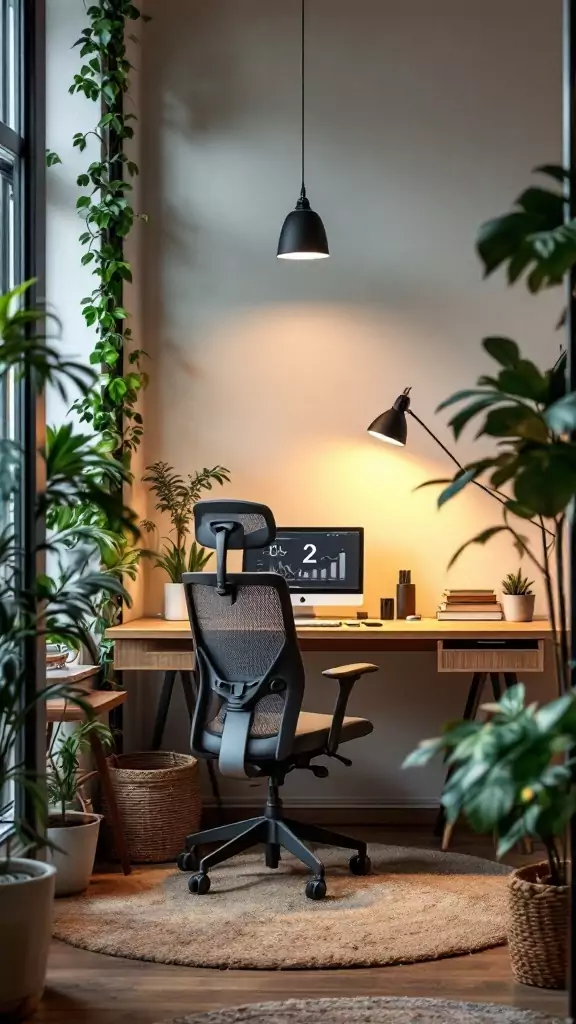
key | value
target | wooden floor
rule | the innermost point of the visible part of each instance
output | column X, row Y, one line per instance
column 89, row 988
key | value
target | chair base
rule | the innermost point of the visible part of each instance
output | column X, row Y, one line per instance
column 276, row 832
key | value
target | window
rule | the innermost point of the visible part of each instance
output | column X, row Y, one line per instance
column 12, row 270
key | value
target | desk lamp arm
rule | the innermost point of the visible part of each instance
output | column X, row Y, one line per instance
column 493, row 493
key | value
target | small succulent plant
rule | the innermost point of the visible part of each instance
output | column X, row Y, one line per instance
column 517, row 584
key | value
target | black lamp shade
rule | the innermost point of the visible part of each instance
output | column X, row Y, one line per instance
column 303, row 235
column 391, row 426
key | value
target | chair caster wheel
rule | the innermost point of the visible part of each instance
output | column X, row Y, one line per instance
column 199, row 884
column 360, row 864
column 188, row 860
column 316, row 889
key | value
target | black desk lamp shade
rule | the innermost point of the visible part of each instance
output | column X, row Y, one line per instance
column 391, row 426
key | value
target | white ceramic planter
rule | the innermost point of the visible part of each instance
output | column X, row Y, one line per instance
column 175, row 602
column 77, row 842
column 25, row 930
column 518, row 607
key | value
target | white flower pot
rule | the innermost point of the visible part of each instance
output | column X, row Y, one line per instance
column 518, row 607
column 25, row 930
column 77, row 841
column 175, row 602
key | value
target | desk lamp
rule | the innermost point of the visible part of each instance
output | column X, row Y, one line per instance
column 391, row 426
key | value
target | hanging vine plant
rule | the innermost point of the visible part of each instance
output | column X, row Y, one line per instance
column 110, row 407
column 104, row 77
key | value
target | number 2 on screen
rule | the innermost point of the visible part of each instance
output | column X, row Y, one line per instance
column 311, row 549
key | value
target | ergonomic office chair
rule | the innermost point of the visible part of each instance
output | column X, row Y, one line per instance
column 251, row 684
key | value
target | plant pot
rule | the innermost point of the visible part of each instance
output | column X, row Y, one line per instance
column 25, row 930
column 175, row 608
column 76, row 840
column 538, row 928
column 518, row 607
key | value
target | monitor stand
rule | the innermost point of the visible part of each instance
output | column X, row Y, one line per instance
column 310, row 612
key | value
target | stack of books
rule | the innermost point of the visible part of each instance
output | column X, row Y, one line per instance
column 469, row 604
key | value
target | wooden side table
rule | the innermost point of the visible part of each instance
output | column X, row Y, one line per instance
column 101, row 702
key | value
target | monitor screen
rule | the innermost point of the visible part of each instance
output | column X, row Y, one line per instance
column 322, row 560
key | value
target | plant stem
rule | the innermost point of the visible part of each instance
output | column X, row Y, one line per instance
column 553, row 861
column 552, row 614
column 565, row 656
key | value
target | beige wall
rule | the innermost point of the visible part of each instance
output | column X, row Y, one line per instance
column 423, row 120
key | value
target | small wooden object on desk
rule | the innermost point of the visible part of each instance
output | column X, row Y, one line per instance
column 101, row 702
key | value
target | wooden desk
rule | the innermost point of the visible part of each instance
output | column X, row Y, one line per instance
column 160, row 646
column 498, row 650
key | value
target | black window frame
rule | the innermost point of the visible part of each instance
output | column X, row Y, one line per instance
column 22, row 161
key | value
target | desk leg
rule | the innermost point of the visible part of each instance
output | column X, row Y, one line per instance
column 470, row 711
column 190, row 688
column 162, row 712
column 496, row 685
column 113, row 811
column 510, row 679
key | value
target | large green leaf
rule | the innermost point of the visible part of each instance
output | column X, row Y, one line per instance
column 459, row 421
column 545, row 483
column 460, row 396
column 561, row 416
column 512, row 702
column 514, row 421
column 458, row 483
column 494, row 799
column 504, row 350
column 524, row 380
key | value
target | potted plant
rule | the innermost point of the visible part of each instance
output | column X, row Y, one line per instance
column 517, row 785
column 177, row 497
column 517, row 597
column 506, row 777
column 72, row 833
column 74, row 469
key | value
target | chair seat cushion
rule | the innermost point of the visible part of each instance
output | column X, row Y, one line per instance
column 312, row 730
column 311, row 734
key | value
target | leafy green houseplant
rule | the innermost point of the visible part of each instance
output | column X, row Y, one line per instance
column 73, row 833
column 514, row 774
column 505, row 776
column 176, row 497
column 48, row 605
column 517, row 597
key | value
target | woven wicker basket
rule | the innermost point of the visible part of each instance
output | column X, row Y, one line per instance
column 158, row 796
column 538, row 928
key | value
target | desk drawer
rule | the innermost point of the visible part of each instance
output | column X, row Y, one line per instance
column 154, row 655
column 491, row 655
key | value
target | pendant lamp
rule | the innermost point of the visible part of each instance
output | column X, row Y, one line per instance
column 303, row 236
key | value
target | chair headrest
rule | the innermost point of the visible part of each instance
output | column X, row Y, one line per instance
column 253, row 524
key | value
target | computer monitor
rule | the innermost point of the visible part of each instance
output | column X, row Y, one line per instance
column 322, row 565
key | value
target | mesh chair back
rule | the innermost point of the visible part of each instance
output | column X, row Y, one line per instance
column 248, row 660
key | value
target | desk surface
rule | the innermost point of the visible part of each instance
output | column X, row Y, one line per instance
column 394, row 629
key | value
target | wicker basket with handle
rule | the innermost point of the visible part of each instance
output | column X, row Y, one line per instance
column 538, row 928
column 158, row 794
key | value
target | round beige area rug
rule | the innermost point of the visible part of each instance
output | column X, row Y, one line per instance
column 416, row 905
column 374, row 1010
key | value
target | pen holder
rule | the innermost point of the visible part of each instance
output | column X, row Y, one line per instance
column 405, row 600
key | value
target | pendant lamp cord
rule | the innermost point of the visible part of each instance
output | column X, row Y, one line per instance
column 303, row 189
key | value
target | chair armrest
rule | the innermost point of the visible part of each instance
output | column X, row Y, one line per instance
column 346, row 676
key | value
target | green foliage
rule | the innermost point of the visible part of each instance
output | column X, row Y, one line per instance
column 533, row 240
column 106, row 209
column 516, row 583
column 75, row 471
column 509, row 775
column 177, row 497
column 63, row 781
